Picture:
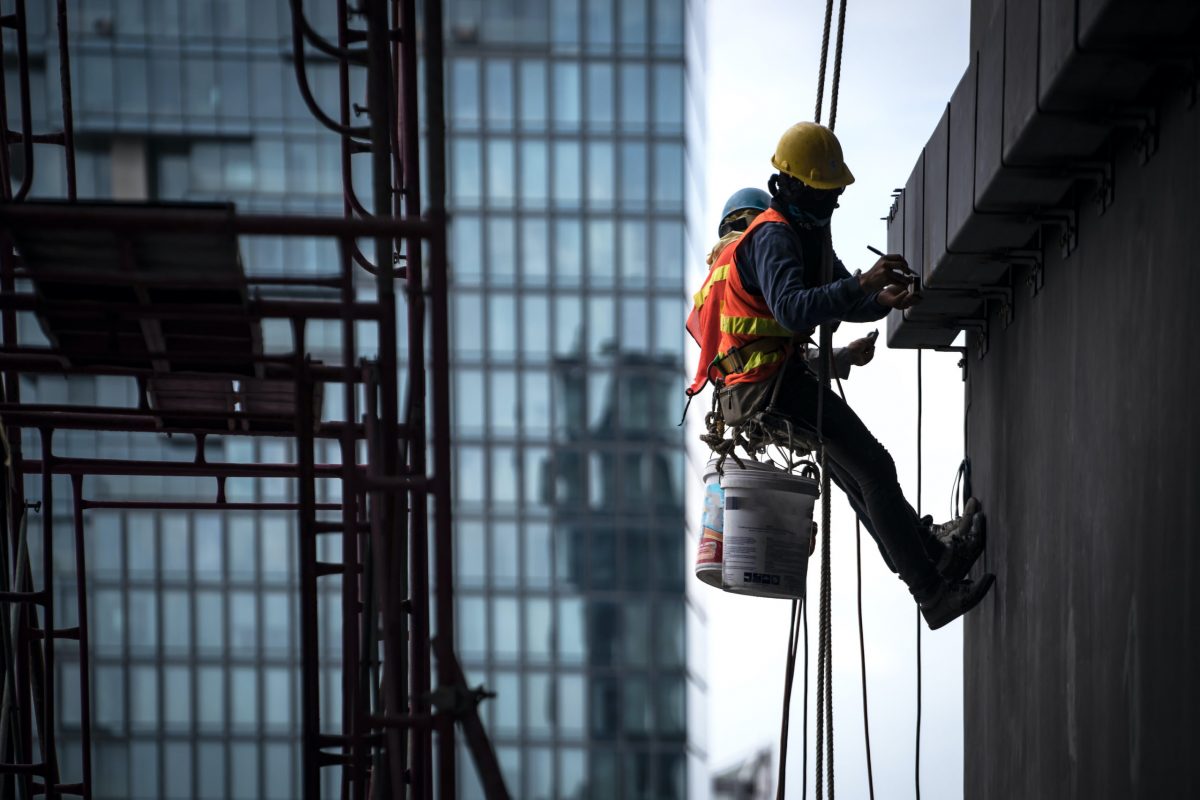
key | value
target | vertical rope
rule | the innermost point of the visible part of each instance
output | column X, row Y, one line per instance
column 862, row 647
column 824, row 58
column 804, row 762
column 862, row 653
column 837, row 66
column 917, row 749
column 789, row 675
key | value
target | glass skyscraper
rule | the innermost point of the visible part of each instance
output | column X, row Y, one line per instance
column 573, row 165
column 574, row 142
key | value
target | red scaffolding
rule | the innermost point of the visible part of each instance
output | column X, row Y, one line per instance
column 157, row 293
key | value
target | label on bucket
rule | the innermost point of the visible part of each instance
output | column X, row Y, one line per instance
column 766, row 541
column 713, row 517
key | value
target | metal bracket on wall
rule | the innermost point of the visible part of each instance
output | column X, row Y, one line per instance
column 1036, row 277
column 979, row 327
column 962, row 361
column 1067, row 220
column 1102, row 191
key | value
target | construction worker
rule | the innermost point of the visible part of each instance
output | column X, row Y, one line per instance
column 765, row 291
column 740, row 210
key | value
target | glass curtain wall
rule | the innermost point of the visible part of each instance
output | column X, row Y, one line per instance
column 575, row 155
column 195, row 632
column 571, row 163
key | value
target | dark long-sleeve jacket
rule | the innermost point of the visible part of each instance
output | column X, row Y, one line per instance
column 784, row 267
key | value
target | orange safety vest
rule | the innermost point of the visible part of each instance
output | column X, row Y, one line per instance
column 726, row 317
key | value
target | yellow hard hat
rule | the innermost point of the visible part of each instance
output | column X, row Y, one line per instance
column 811, row 154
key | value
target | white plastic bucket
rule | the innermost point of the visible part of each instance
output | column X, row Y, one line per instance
column 766, row 531
column 712, row 520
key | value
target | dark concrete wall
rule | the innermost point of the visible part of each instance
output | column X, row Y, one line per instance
column 984, row 19
column 1082, row 669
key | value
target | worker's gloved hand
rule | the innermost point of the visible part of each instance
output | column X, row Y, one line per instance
column 888, row 270
column 861, row 351
column 898, row 296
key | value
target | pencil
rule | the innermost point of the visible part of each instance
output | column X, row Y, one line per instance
column 875, row 250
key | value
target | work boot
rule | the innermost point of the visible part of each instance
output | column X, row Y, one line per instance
column 962, row 541
column 949, row 601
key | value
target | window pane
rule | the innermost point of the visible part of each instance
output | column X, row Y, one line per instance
column 601, row 167
column 668, row 177
column 633, row 175
column 532, row 75
column 468, row 402
column 506, row 627
column 177, row 619
column 143, row 621
column 598, row 24
column 633, row 97
column 564, row 24
column 567, row 175
column 538, row 630
column 536, row 402
column 668, row 98
column 602, row 254
column 243, row 698
column 568, row 252
column 565, row 77
column 670, row 245
column 507, row 705
column 535, row 334
column 277, row 698
column 177, row 697
column 502, row 326
column 668, row 25
column 210, row 771
column 635, row 247
column 499, row 95
column 501, row 250
column 534, row 174
column 465, row 158
column 634, row 325
column 504, row 476
column 468, row 311
column 572, row 633
column 464, row 93
column 472, row 629
column 634, row 26
column 469, row 465
column 539, row 704
column 206, row 544
column 600, row 96
column 210, row 697
column 466, row 249
column 502, row 399
column 109, row 688
column 501, row 172
column 210, row 627
column 538, row 470
column 601, row 336
column 572, row 706
column 243, row 628
column 568, row 330
column 470, row 554
column 143, row 697
column 535, row 251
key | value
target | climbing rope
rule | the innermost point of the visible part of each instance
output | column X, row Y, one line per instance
column 917, row 749
column 837, row 66
column 862, row 645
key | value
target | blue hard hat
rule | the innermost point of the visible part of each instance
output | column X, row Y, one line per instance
column 742, row 199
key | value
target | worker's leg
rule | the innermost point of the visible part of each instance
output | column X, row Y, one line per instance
column 850, row 488
column 861, row 459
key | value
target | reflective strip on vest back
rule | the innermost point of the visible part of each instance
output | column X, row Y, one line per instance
column 718, row 274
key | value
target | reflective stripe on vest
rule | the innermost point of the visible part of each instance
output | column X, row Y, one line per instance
column 718, row 274
column 726, row 317
column 753, row 326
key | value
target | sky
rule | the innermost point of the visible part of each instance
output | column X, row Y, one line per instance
column 900, row 64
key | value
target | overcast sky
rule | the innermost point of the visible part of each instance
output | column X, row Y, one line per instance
column 901, row 62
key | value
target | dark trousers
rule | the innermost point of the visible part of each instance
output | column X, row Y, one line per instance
column 858, row 464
